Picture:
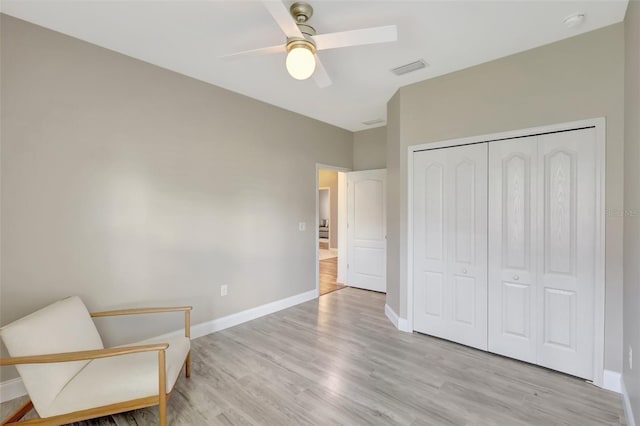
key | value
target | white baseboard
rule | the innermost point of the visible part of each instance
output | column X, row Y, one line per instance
column 393, row 317
column 611, row 381
column 11, row 389
column 403, row 325
column 628, row 411
column 400, row 323
column 209, row 327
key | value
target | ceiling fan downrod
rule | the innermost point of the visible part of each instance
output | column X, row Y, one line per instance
column 301, row 13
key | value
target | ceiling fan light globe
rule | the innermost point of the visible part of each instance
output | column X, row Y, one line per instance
column 301, row 63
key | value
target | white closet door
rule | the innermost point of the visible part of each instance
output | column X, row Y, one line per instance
column 430, row 312
column 367, row 235
column 450, row 241
column 512, row 248
column 567, row 227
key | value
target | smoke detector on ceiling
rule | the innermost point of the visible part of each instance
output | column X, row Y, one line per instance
column 574, row 20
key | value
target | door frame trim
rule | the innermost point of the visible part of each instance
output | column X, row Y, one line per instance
column 328, row 189
column 342, row 230
column 599, row 294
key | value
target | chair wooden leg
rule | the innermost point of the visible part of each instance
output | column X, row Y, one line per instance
column 19, row 413
column 162, row 391
column 163, row 413
column 187, row 365
column 187, row 333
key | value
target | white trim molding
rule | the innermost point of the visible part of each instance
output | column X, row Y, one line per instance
column 390, row 313
column 612, row 380
column 219, row 324
column 400, row 323
column 628, row 411
column 11, row 389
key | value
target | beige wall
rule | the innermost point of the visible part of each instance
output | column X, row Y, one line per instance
column 394, row 274
column 370, row 149
column 632, row 205
column 128, row 184
column 329, row 179
column 570, row 80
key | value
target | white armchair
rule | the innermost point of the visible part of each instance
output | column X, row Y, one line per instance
column 70, row 376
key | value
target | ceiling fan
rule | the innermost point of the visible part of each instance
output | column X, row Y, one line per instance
column 303, row 43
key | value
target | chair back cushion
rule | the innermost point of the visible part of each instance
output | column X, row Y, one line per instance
column 64, row 326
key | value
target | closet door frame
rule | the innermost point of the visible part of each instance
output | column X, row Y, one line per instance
column 599, row 124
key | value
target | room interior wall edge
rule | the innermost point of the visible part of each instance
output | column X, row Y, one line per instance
column 329, row 178
column 393, row 203
column 631, row 308
column 370, row 149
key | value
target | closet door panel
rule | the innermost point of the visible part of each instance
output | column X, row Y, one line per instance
column 464, row 306
column 430, row 222
column 512, row 248
column 450, row 295
column 463, row 230
column 467, row 238
column 566, row 293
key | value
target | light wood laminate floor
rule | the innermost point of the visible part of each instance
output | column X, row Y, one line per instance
column 329, row 276
column 338, row 360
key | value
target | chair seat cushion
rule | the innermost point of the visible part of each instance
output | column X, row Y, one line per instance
column 122, row 378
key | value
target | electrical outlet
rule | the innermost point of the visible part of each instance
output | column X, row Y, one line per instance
column 223, row 290
column 630, row 358
column 302, row 226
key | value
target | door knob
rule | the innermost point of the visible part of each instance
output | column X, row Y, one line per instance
column 516, row 278
column 464, row 271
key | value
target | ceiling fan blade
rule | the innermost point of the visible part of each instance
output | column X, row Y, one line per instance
column 320, row 75
column 356, row 37
column 281, row 15
column 256, row 52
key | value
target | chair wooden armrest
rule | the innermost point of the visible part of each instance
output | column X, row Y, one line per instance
column 82, row 355
column 140, row 311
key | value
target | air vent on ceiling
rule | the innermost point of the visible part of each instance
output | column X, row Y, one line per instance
column 372, row 122
column 413, row 66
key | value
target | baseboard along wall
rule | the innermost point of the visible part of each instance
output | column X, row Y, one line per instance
column 401, row 324
column 612, row 380
column 628, row 411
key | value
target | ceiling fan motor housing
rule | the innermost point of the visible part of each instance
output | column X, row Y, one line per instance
column 301, row 13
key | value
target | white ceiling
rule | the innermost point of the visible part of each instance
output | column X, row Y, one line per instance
column 189, row 36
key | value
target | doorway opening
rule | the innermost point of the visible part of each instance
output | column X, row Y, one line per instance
column 330, row 225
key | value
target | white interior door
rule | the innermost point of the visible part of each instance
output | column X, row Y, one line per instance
column 450, row 243
column 366, row 230
column 513, row 258
column 567, row 240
